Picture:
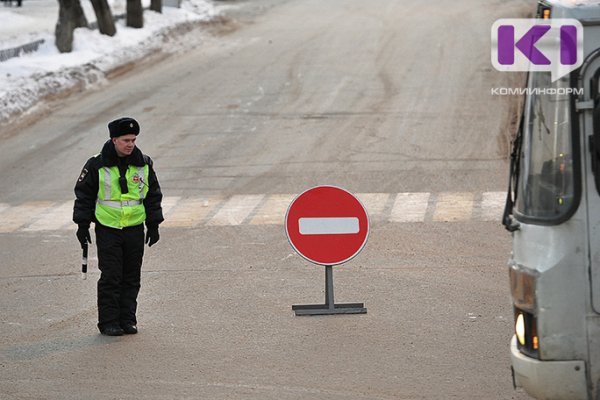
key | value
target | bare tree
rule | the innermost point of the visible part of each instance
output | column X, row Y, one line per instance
column 70, row 16
column 106, row 23
column 156, row 5
column 135, row 14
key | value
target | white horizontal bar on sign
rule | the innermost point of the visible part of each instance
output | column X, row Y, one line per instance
column 328, row 226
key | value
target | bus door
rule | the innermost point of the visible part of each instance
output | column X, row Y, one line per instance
column 589, row 119
column 589, row 107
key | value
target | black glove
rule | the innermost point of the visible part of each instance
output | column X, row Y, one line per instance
column 152, row 235
column 83, row 234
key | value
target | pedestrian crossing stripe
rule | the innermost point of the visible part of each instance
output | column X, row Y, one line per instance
column 270, row 209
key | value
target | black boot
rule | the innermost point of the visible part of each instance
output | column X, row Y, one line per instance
column 112, row 330
column 129, row 329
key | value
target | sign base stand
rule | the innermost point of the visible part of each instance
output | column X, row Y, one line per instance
column 329, row 307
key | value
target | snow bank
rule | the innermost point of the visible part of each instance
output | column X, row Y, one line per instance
column 27, row 79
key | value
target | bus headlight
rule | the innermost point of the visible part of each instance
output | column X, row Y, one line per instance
column 520, row 329
column 526, row 333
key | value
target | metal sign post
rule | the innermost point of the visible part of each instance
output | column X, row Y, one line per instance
column 329, row 307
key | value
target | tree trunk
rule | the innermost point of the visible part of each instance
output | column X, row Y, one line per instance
column 106, row 23
column 78, row 15
column 135, row 14
column 156, row 5
column 70, row 16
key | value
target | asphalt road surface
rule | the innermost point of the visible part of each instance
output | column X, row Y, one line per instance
column 388, row 99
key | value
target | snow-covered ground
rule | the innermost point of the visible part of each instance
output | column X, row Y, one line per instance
column 27, row 79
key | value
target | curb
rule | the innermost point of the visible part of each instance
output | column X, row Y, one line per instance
column 31, row 47
column 48, row 89
column 17, row 51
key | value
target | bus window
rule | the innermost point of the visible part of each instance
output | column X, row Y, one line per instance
column 545, row 191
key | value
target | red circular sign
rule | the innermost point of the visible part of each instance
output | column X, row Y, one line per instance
column 327, row 225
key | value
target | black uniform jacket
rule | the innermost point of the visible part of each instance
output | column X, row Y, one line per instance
column 86, row 188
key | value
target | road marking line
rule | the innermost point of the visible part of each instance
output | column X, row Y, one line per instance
column 167, row 204
column 4, row 206
column 15, row 217
column 409, row 207
column 452, row 207
column 375, row 203
column 269, row 210
column 272, row 212
column 190, row 212
column 236, row 210
column 55, row 218
column 328, row 226
column 492, row 206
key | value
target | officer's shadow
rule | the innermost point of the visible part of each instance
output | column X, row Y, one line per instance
column 32, row 351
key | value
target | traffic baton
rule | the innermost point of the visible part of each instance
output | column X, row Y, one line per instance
column 84, row 261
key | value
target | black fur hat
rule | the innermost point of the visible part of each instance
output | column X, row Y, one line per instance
column 123, row 126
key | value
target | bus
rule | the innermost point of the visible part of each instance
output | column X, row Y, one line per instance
column 553, row 214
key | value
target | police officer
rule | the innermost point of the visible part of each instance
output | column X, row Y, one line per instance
column 118, row 191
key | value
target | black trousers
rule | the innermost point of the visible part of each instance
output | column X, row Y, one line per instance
column 120, row 253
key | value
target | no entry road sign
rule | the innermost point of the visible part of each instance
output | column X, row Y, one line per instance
column 327, row 225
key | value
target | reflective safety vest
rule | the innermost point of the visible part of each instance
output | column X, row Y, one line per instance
column 118, row 210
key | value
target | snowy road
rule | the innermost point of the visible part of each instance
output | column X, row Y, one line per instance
column 387, row 99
